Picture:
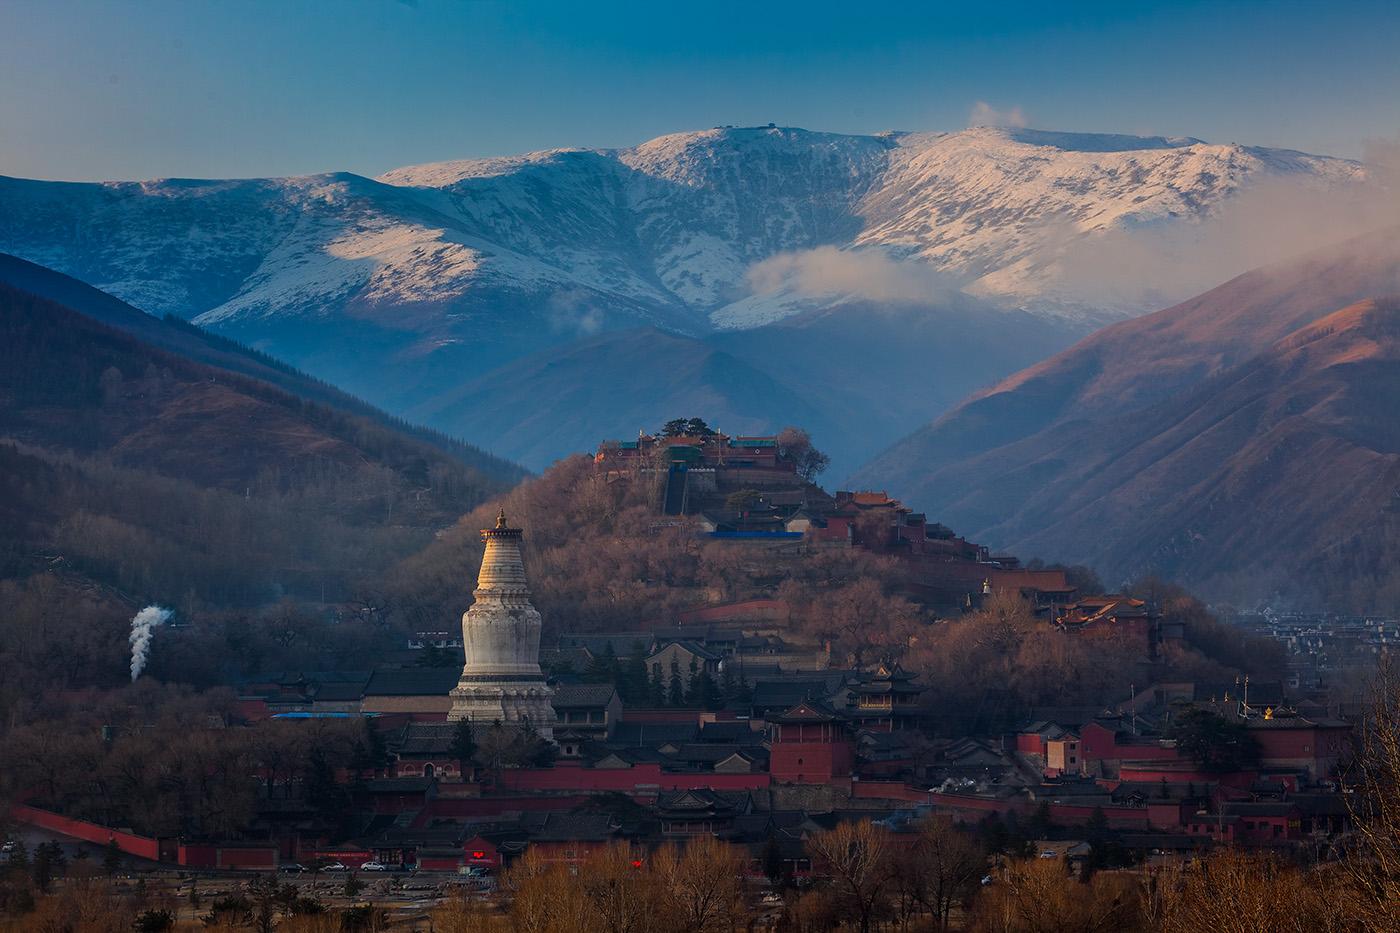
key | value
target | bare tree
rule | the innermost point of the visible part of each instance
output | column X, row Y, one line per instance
column 1236, row 892
column 795, row 445
column 1036, row 896
column 1374, row 865
column 703, row 884
column 942, row 869
column 857, row 857
column 622, row 897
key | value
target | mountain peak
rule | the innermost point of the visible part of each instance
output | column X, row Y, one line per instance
column 1373, row 320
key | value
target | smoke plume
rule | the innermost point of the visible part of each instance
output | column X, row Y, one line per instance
column 143, row 626
column 984, row 114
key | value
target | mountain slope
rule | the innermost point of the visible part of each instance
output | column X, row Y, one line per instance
column 172, row 479
column 1239, row 441
column 854, row 376
column 612, row 386
column 198, row 345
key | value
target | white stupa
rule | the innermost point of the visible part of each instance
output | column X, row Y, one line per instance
column 501, row 681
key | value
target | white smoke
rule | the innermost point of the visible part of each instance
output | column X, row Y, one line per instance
column 984, row 114
column 143, row 626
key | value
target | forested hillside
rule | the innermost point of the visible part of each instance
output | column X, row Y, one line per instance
column 175, row 334
column 131, row 474
column 600, row 559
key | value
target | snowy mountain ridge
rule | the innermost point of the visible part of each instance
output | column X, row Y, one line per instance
column 668, row 232
column 760, row 276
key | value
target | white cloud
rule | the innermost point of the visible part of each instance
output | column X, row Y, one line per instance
column 827, row 271
column 1266, row 223
column 574, row 311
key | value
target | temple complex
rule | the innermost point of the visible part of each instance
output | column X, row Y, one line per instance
column 501, row 680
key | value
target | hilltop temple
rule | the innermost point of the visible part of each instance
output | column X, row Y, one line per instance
column 501, row 681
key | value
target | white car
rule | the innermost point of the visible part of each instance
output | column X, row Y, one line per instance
column 335, row 866
column 1048, row 853
column 374, row 866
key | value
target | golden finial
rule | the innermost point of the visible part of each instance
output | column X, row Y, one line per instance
column 501, row 519
column 1268, row 712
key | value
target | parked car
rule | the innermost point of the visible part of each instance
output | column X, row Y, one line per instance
column 291, row 868
column 373, row 866
column 1049, row 853
column 335, row 866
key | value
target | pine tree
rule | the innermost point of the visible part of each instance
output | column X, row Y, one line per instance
column 41, row 870
column 264, row 892
column 708, row 694
column 323, row 794
column 371, row 753
column 602, row 669
column 1096, row 827
column 378, row 750
column 632, row 685
column 153, row 921
column 692, row 686
column 994, row 833
column 112, row 858
column 743, row 696
column 57, row 859
column 19, row 858
column 1041, row 821
column 1096, row 832
column 463, row 745
column 656, row 689
column 773, row 866
column 676, row 696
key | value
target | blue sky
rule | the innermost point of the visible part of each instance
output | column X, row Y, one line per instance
column 150, row 88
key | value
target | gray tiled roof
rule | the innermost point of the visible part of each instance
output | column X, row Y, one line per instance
column 653, row 733
column 575, row 695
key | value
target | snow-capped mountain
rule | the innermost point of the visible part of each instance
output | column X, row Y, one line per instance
column 668, row 232
column 403, row 287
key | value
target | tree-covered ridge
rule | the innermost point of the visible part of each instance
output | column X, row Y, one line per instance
column 601, row 559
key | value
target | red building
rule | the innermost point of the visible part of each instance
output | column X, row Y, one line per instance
column 811, row 745
column 1289, row 741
